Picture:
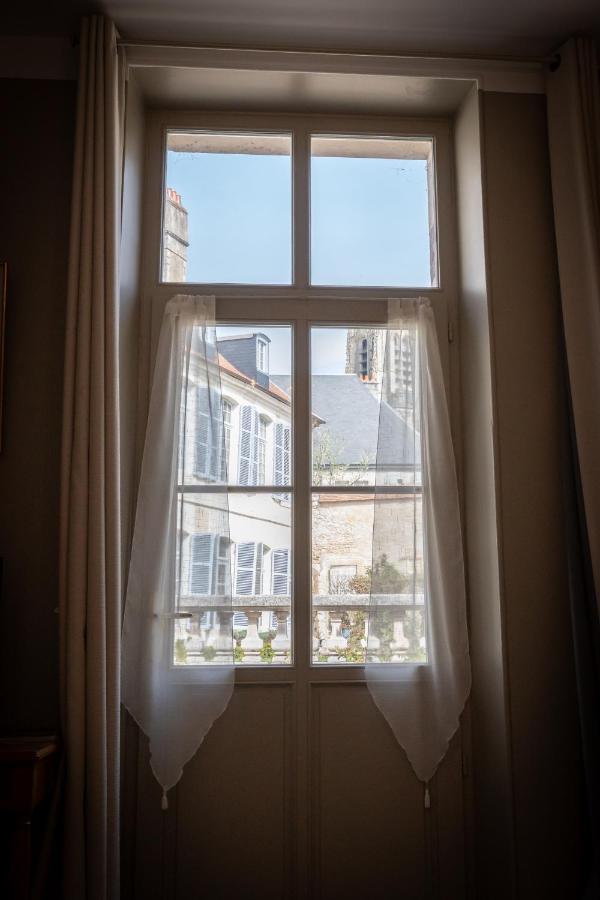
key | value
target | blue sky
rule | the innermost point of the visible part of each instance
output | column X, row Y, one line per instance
column 369, row 219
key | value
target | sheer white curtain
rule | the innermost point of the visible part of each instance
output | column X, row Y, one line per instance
column 418, row 668
column 177, row 636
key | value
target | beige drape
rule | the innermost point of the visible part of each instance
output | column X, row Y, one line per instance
column 90, row 579
column 574, row 131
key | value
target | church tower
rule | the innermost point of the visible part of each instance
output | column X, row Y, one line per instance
column 365, row 348
column 365, row 357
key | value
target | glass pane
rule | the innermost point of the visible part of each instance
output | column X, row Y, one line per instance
column 256, row 387
column 365, row 427
column 203, row 609
column 367, row 547
column 347, row 366
column 228, row 208
column 234, row 573
column 262, row 577
column 342, row 528
column 397, row 621
column 345, row 570
column 372, row 212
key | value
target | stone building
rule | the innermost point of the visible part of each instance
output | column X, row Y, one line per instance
column 366, row 351
column 175, row 239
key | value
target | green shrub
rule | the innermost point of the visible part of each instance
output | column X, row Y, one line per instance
column 267, row 653
column 180, row 651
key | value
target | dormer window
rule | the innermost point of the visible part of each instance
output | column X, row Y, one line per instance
column 262, row 355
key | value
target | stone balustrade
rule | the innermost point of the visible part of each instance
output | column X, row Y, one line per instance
column 346, row 629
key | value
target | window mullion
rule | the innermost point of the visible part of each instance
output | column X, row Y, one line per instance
column 301, row 207
column 302, row 496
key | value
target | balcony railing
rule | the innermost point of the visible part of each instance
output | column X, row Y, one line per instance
column 262, row 635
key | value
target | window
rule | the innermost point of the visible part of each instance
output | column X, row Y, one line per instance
column 365, row 362
column 208, row 564
column 227, row 214
column 370, row 211
column 301, row 230
column 354, row 407
column 256, row 560
column 340, row 579
column 262, row 355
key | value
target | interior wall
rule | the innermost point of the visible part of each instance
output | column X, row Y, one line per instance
column 529, row 422
column 36, row 145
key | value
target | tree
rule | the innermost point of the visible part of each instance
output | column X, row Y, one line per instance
column 327, row 468
column 386, row 579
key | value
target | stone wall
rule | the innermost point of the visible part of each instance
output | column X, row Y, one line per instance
column 343, row 528
column 176, row 238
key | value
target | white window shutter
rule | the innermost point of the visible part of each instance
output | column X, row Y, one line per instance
column 202, row 548
column 208, row 433
column 281, row 465
column 245, row 568
column 202, row 433
column 258, row 570
column 226, row 440
column 248, row 473
column 222, row 566
column 281, row 572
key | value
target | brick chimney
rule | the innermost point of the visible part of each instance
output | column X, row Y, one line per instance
column 175, row 238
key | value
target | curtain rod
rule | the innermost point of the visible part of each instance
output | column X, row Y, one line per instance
column 552, row 59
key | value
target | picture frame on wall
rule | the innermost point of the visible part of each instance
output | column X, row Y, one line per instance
column 3, row 283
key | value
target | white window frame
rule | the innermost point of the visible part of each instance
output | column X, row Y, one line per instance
column 303, row 305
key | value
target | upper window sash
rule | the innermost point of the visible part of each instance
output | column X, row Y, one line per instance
column 301, row 128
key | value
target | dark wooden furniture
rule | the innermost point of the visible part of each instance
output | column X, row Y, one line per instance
column 28, row 768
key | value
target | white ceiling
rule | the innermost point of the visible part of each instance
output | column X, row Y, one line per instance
column 513, row 27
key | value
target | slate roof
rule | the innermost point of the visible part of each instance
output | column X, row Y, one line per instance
column 351, row 413
column 273, row 389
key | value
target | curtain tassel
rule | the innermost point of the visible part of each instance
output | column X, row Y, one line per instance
column 427, row 799
column 164, row 803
